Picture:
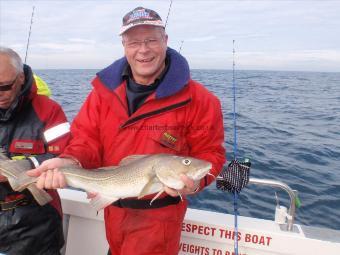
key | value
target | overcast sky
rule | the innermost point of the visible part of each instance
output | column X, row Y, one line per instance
column 269, row 35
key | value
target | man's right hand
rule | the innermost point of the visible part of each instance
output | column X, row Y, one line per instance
column 49, row 177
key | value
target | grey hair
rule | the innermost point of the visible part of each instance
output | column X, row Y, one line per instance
column 14, row 57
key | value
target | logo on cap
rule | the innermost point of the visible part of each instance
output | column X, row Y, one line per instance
column 140, row 16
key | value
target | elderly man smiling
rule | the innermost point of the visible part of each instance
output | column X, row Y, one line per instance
column 144, row 103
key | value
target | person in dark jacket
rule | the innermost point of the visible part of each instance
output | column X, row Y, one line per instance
column 32, row 127
column 144, row 103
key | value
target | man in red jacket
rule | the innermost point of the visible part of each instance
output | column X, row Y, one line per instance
column 144, row 103
column 33, row 128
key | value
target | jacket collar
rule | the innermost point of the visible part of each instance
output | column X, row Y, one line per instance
column 174, row 80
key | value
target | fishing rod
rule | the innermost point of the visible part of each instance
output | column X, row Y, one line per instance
column 235, row 196
column 167, row 17
column 234, row 103
column 42, row 86
column 166, row 22
column 235, row 176
column 29, row 35
column 180, row 48
column 235, row 156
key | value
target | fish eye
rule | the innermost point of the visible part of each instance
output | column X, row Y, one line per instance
column 186, row 161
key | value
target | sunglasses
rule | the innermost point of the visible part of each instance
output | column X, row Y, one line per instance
column 8, row 87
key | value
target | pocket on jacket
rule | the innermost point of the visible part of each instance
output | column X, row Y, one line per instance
column 169, row 140
column 27, row 146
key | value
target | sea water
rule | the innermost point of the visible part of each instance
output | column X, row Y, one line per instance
column 288, row 125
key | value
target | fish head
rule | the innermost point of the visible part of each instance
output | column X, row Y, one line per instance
column 171, row 167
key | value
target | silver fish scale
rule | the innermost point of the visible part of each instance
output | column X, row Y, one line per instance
column 136, row 176
column 123, row 181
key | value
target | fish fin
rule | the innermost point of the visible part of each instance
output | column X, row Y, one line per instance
column 12, row 181
column 147, row 188
column 129, row 159
column 21, row 181
column 106, row 168
column 157, row 195
column 180, row 195
column 41, row 196
column 169, row 179
column 99, row 201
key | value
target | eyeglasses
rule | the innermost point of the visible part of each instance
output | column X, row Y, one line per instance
column 8, row 87
column 149, row 42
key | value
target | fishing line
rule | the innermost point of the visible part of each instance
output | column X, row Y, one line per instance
column 29, row 35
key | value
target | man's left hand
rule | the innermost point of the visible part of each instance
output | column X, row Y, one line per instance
column 190, row 187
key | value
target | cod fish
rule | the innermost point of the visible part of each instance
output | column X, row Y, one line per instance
column 15, row 169
column 136, row 176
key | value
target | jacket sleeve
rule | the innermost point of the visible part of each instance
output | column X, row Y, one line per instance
column 85, row 145
column 56, row 133
column 206, row 134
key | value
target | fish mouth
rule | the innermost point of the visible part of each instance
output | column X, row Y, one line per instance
column 203, row 171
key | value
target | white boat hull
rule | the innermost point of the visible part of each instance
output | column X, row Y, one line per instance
column 203, row 233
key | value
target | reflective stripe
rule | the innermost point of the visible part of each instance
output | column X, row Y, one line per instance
column 56, row 131
column 34, row 161
column 19, row 157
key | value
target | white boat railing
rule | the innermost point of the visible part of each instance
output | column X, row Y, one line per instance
column 292, row 195
column 205, row 232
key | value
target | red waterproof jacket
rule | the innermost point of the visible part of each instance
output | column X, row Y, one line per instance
column 34, row 126
column 181, row 117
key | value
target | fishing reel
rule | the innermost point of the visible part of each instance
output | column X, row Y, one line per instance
column 234, row 177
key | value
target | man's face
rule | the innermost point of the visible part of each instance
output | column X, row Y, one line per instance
column 10, row 82
column 145, row 49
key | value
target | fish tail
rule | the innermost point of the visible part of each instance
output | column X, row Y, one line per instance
column 21, row 181
column 18, row 182
column 41, row 196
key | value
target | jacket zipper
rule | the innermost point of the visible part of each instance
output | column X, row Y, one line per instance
column 156, row 112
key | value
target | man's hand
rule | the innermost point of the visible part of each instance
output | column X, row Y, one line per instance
column 49, row 164
column 190, row 187
column 3, row 178
column 91, row 195
column 49, row 177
